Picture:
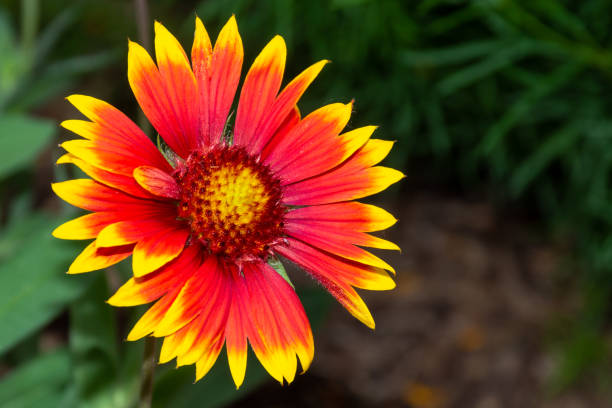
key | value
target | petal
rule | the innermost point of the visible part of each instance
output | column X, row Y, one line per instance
column 279, row 329
column 217, row 92
column 191, row 343
column 150, row 320
column 181, row 90
column 157, row 99
column 93, row 196
column 138, row 291
column 347, row 216
column 313, row 146
column 93, row 258
column 337, row 276
column 134, row 230
column 328, row 240
column 109, row 125
column 157, row 182
column 157, row 250
column 201, row 61
column 236, row 333
column 339, row 185
column 206, row 362
column 121, row 182
column 85, row 227
column 282, row 107
column 372, row 153
column 259, row 90
column 104, row 155
column 193, row 297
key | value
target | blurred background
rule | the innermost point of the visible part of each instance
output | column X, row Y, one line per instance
column 502, row 113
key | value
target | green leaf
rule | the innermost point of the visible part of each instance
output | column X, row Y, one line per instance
column 38, row 382
column 21, row 139
column 33, row 285
column 278, row 266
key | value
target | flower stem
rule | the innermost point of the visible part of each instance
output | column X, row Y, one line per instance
column 141, row 9
column 148, row 370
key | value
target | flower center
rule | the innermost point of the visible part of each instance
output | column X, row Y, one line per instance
column 232, row 202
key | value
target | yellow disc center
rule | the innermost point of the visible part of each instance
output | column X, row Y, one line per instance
column 231, row 202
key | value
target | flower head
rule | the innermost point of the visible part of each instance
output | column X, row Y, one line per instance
column 203, row 219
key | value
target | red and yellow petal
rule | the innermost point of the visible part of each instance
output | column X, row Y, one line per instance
column 236, row 332
column 93, row 196
column 194, row 341
column 93, row 258
column 282, row 108
column 259, row 90
column 87, row 226
column 164, row 105
column 279, row 329
column 337, row 186
column 339, row 276
column 134, row 230
column 118, row 181
column 222, row 80
column 348, row 216
column 326, row 239
column 146, row 289
column 203, row 285
column 313, row 146
column 158, row 249
column 111, row 126
column 180, row 86
column 149, row 321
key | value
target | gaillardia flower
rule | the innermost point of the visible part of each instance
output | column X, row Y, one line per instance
column 204, row 217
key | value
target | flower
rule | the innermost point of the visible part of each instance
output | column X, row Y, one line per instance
column 204, row 218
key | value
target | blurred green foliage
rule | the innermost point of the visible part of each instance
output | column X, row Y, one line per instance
column 510, row 98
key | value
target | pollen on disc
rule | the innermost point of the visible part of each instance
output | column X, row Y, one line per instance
column 232, row 202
